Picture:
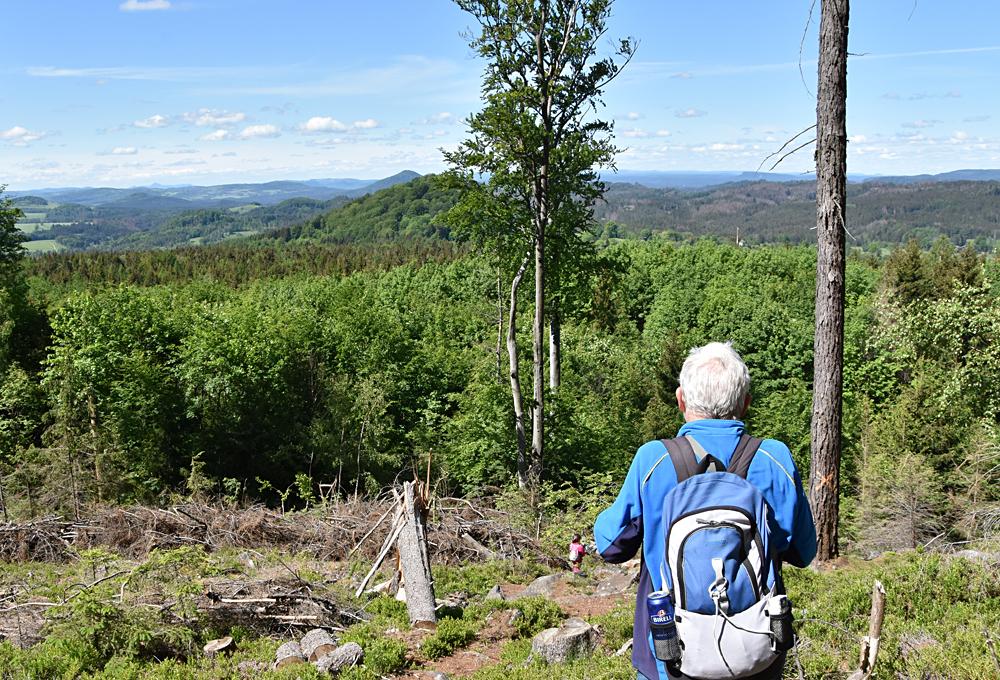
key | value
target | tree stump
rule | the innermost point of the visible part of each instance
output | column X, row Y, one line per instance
column 221, row 646
column 317, row 643
column 574, row 638
column 340, row 658
column 415, row 560
column 288, row 654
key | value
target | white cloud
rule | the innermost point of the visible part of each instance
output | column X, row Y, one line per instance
column 634, row 133
column 445, row 117
column 322, row 124
column 213, row 118
column 124, row 151
column 691, row 113
column 959, row 136
column 144, row 5
column 260, row 131
column 920, row 124
column 632, row 115
column 155, row 121
column 216, row 136
column 20, row 136
column 857, row 139
column 366, row 124
column 663, row 133
column 683, row 75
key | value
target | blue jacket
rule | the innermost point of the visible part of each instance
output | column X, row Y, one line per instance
column 636, row 516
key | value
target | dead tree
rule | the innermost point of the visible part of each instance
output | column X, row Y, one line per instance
column 828, row 345
column 414, row 559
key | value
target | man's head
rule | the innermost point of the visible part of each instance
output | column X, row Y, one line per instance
column 714, row 384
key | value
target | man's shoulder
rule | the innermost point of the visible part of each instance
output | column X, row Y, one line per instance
column 776, row 455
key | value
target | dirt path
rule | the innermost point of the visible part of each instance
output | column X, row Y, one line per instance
column 575, row 595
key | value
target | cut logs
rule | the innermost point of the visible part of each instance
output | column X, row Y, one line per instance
column 289, row 654
column 317, row 643
column 340, row 658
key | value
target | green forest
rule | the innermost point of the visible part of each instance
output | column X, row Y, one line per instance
column 260, row 373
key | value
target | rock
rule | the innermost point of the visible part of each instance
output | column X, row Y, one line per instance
column 250, row 669
column 495, row 594
column 910, row 643
column 543, row 586
column 574, row 638
column 977, row 556
column 436, row 675
column 614, row 584
column 340, row 658
column 317, row 643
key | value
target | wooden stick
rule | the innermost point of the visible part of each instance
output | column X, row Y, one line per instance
column 364, row 538
column 870, row 643
column 386, row 548
column 993, row 649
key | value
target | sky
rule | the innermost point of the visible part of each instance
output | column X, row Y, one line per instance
column 136, row 92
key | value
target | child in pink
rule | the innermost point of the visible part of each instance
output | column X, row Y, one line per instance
column 576, row 553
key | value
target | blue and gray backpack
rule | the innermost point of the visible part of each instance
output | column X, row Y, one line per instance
column 720, row 569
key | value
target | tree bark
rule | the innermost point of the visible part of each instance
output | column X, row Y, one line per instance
column 515, row 378
column 555, row 347
column 499, row 328
column 415, row 560
column 538, row 364
column 828, row 347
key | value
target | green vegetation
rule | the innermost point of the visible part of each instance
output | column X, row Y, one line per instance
column 141, row 381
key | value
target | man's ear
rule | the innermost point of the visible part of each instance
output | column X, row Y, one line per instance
column 746, row 405
column 680, row 400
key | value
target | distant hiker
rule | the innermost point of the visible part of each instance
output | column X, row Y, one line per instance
column 710, row 588
column 576, row 553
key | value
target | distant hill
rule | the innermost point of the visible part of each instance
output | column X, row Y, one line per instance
column 770, row 212
column 166, row 217
column 401, row 211
column 219, row 196
column 879, row 212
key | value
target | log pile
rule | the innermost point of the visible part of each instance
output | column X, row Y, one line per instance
column 457, row 530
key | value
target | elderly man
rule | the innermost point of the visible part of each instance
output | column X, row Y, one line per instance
column 714, row 394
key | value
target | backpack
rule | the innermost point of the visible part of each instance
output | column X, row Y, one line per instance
column 718, row 564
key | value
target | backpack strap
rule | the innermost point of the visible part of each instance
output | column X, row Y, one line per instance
column 686, row 463
column 747, row 447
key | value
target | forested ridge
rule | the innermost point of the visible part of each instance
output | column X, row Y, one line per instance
column 881, row 215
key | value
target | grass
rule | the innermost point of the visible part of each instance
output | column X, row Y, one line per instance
column 44, row 246
column 937, row 610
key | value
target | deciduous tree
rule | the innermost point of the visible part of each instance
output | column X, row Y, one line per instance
column 536, row 146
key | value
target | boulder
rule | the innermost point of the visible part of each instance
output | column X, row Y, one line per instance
column 495, row 594
column 543, row 586
column 340, row 658
column 574, row 638
column 614, row 584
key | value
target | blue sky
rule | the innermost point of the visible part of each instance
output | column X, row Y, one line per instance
column 132, row 92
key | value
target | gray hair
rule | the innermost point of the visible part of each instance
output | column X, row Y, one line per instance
column 715, row 381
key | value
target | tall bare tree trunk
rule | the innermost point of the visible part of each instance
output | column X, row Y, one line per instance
column 499, row 328
column 523, row 481
column 828, row 348
column 538, row 361
column 555, row 347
